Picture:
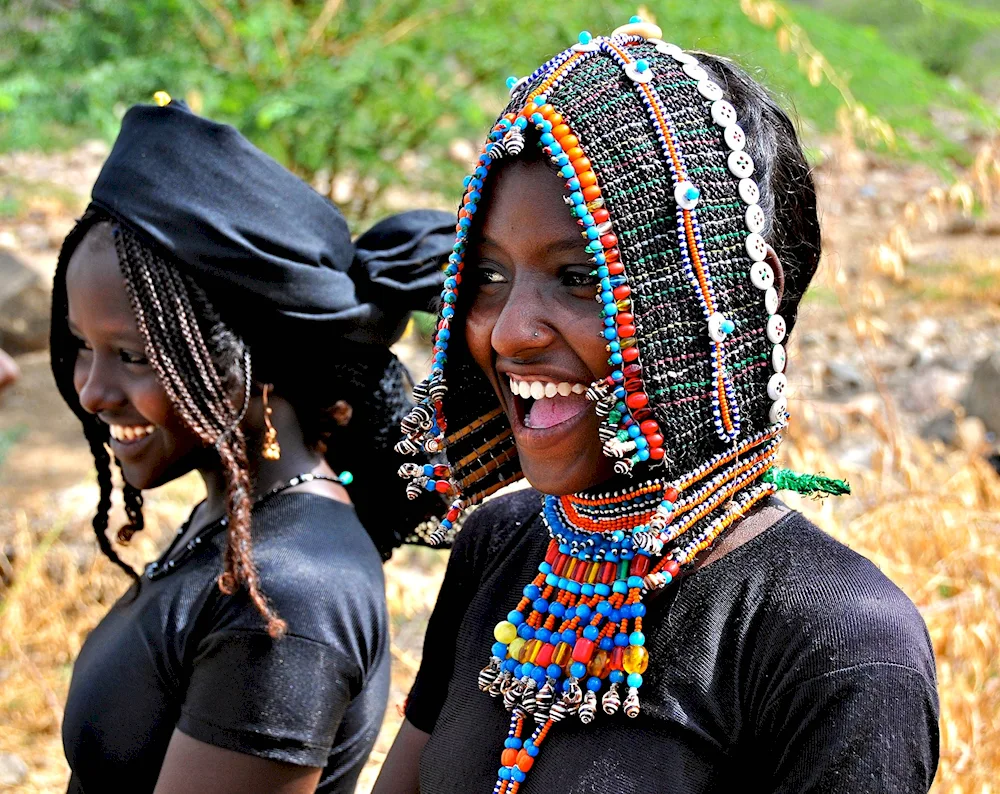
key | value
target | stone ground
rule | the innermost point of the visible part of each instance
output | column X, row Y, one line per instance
column 899, row 355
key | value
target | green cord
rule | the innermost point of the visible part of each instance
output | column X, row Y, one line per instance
column 788, row 480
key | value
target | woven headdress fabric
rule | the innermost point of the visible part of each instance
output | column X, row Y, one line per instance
column 603, row 107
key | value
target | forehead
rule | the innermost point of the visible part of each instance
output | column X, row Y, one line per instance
column 95, row 287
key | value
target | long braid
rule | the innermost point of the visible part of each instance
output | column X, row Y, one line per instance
column 96, row 437
column 200, row 363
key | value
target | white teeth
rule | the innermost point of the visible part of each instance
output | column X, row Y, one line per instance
column 124, row 433
column 129, row 433
column 538, row 390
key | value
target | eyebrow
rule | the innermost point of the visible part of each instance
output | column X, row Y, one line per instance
column 562, row 246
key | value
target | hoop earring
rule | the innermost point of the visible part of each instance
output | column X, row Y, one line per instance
column 271, row 449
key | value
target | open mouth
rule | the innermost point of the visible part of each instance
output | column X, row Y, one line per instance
column 130, row 435
column 543, row 404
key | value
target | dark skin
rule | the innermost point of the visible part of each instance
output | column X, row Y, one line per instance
column 115, row 382
column 534, row 315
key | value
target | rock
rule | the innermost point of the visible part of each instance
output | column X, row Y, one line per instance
column 943, row 427
column 13, row 770
column 842, row 378
column 982, row 398
column 25, row 305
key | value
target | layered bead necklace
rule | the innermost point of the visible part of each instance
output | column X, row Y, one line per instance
column 577, row 631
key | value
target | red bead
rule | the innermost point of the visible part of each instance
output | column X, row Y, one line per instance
column 442, row 486
column 671, row 494
column 607, row 574
column 583, row 650
column 561, row 562
column 601, row 215
column 655, row 440
column 609, row 240
column 626, row 330
column 630, row 353
column 617, row 656
column 633, row 384
column 672, row 567
column 615, row 268
column 632, row 370
column 649, row 426
column 622, row 291
column 625, row 318
column 550, row 555
column 657, row 453
column 639, row 565
column 544, row 658
column 637, row 400
column 612, row 256
column 441, row 470
column 642, row 414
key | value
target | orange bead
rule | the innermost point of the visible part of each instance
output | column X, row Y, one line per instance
column 559, row 131
column 588, row 178
column 568, row 141
column 524, row 761
column 592, row 192
column 508, row 757
column 546, row 111
column 581, row 165
column 556, row 119
column 575, row 153
column 600, row 664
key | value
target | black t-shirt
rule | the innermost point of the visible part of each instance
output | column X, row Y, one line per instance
column 789, row 665
column 180, row 654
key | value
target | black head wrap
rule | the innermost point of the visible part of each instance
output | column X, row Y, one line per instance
column 262, row 244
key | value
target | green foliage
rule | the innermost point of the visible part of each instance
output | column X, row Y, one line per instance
column 376, row 90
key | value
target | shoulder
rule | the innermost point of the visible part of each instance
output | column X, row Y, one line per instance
column 498, row 523
column 829, row 608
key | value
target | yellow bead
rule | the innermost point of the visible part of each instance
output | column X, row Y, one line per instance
column 562, row 655
column 635, row 660
column 161, row 98
column 598, row 664
column 514, row 649
column 505, row 632
column 530, row 650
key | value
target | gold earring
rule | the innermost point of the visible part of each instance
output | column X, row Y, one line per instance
column 271, row 449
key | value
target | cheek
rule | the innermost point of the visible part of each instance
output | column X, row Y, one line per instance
column 480, row 321
column 150, row 399
column 585, row 333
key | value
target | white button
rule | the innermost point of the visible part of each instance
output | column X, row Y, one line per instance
column 665, row 47
column 636, row 75
column 694, row 71
column 682, row 57
column 736, row 139
column 776, row 328
column 590, row 46
column 740, row 164
column 749, row 191
column 776, row 385
column 517, row 86
column 711, row 91
column 778, row 358
column 761, row 276
column 756, row 247
column 723, row 113
column 715, row 327
column 682, row 198
column 778, row 410
column 755, row 218
column 771, row 300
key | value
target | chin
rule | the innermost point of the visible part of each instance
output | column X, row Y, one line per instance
column 566, row 476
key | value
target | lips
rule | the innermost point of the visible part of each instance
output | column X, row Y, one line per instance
column 546, row 404
column 126, row 435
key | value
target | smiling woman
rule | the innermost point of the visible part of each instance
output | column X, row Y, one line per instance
column 654, row 619
column 211, row 313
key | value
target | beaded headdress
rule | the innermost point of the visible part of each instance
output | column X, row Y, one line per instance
column 660, row 182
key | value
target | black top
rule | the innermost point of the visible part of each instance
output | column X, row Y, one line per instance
column 790, row 664
column 180, row 654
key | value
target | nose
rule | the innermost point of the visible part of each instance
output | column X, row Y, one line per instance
column 96, row 385
column 523, row 328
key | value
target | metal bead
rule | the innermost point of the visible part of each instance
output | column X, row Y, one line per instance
column 632, row 703
column 588, row 709
column 611, row 700
column 489, row 674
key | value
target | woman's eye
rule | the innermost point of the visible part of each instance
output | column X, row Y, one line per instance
column 579, row 277
column 487, row 274
column 128, row 357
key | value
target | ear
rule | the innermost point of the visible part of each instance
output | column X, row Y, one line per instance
column 779, row 272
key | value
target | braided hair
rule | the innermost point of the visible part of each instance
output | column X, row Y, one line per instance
column 205, row 369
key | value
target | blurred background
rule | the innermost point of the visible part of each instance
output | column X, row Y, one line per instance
column 381, row 105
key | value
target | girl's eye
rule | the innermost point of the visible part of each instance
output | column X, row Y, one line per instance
column 488, row 274
column 128, row 357
column 577, row 277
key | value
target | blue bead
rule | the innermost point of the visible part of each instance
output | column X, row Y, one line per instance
column 634, row 431
column 621, row 640
column 641, row 66
column 728, row 326
column 642, row 454
column 547, row 138
column 546, row 126
column 536, row 119
column 578, row 669
column 557, row 151
column 590, row 633
column 610, row 333
column 466, row 181
column 564, row 548
column 540, row 605
column 504, row 773
column 525, row 632
column 518, row 669
column 607, row 643
column 638, row 610
column 573, row 184
column 541, row 99
column 521, row 123
column 588, row 219
column 499, row 650
column 603, row 608
column 634, row 680
column 509, row 665
column 625, row 611
column 551, row 579
column 527, row 668
column 634, row 581
column 610, row 310
column 508, row 743
column 569, row 636
column 429, row 485
column 633, row 20
column 566, row 171
column 616, row 360
column 481, row 172
column 692, row 193
column 585, row 37
column 544, row 567
column 620, row 587
column 563, row 581
column 573, row 587
column 609, row 321
column 543, row 634
column 511, row 82
column 614, row 616
column 576, row 197
column 602, row 590
column 517, row 775
column 530, row 749
column 616, row 374
column 616, row 676
column 592, row 233
column 583, row 612
column 553, row 671
column 587, row 590
column 515, row 617
column 594, row 684
column 532, row 591
column 637, row 638
column 600, row 259
column 557, row 609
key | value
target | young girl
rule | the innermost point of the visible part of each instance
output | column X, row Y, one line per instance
column 655, row 620
column 210, row 312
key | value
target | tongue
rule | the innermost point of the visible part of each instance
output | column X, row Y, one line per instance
column 551, row 411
